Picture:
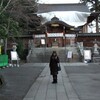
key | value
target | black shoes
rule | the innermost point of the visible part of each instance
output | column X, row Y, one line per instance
column 54, row 82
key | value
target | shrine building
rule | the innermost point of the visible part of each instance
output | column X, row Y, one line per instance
column 65, row 24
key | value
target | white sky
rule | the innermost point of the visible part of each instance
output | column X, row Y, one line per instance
column 58, row 1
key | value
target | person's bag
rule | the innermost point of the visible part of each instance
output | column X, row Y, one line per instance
column 59, row 67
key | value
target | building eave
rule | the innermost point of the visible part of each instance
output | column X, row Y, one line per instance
column 88, row 34
column 23, row 36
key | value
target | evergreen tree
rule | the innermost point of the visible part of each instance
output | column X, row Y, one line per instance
column 16, row 17
column 94, row 6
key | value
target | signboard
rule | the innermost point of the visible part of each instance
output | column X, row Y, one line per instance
column 14, row 55
column 43, row 41
column 0, row 50
column 69, row 55
column 87, row 54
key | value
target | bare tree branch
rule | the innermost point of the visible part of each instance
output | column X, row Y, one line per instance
column 5, row 6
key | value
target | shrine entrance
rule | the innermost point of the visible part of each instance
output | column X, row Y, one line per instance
column 57, row 34
column 55, row 42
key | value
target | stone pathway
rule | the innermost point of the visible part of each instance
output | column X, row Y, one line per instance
column 43, row 89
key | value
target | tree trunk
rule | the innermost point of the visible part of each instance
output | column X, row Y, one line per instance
column 97, row 29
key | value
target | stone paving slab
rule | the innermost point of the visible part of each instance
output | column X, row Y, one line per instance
column 48, row 91
column 76, row 81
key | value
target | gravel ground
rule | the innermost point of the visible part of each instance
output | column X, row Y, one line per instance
column 18, row 80
column 85, row 80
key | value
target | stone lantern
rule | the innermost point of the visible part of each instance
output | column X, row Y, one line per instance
column 14, row 47
column 95, row 48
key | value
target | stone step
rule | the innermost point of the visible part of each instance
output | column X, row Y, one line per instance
column 43, row 54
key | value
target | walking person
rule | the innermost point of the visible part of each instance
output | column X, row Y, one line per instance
column 54, row 60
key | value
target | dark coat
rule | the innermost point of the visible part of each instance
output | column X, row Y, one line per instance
column 54, row 60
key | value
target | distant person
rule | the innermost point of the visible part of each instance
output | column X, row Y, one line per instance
column 54, row 60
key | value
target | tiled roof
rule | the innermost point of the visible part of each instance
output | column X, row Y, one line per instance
column 56, row 20
column 43, row 8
